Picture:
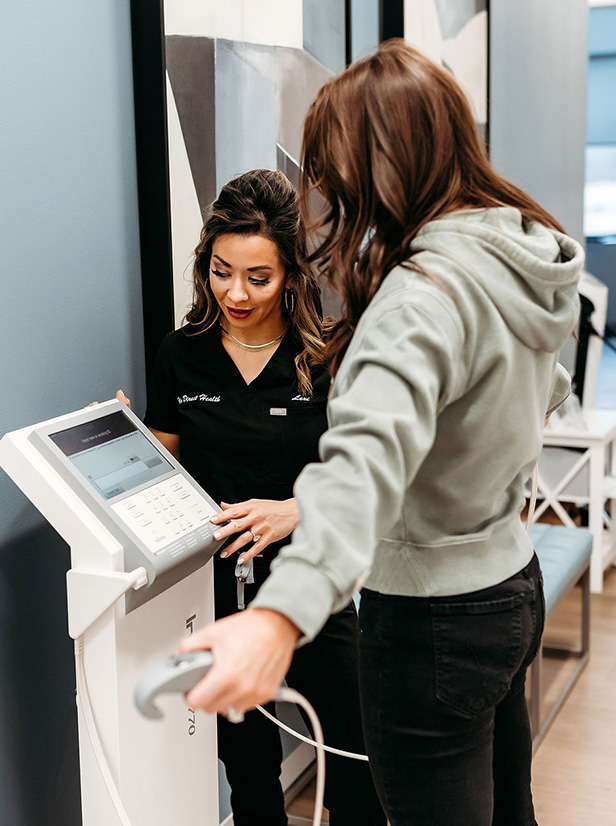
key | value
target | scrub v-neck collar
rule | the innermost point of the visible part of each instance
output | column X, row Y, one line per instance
column 275, row 367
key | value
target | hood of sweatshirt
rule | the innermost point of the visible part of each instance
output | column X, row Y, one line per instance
column 544, row 262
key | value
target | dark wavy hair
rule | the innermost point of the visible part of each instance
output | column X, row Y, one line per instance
column 390, row 144
column 263, row 202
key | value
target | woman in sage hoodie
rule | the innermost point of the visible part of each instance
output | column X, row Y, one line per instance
column 459, row 290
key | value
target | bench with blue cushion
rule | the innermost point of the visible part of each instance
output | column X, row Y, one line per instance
column 564, row 555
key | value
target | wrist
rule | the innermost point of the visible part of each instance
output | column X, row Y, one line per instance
column 278, row 623
column 293, row 508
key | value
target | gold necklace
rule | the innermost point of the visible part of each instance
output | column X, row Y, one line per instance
column 251, row 347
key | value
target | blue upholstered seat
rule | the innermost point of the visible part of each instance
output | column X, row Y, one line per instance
column 562, row 553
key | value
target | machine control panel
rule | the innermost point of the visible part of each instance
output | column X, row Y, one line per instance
column 136, row 488
column 166, row 512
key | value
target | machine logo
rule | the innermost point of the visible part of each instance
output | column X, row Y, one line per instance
column 192, row 717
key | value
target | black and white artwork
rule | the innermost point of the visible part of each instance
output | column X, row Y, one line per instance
column 455, row 34
column 239, row 79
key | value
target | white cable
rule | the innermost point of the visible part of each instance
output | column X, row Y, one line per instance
column 289, row 695
column 285, row 695
column 352, row 754
column 534, row 487
column 137, row 580
column 83, row 697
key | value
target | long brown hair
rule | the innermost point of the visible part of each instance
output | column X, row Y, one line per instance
column 390, row 144
column 263, row 202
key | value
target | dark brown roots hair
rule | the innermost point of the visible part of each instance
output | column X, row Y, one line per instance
column 390, row 144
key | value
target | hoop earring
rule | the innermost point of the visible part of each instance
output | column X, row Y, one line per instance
column 289, row 301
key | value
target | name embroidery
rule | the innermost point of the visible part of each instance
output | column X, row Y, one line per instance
column 278, row 411
column 301, row 399
column 201, row 397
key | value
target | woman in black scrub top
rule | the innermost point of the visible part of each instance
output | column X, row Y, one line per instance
column 238, row 395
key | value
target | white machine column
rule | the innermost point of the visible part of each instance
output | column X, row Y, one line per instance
column 165, row 771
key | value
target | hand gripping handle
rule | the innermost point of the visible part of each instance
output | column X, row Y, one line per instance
column 175, row 674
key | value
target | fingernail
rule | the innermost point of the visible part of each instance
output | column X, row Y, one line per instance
column 214, row 519
column 223, row 554
column 240, row 561
column 216, row 534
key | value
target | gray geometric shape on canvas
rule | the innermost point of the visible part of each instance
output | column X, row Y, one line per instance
column 297, row 76
column 324, row 32
column 298, row 79
column 245, row 116
column 454, row 14
column 261, row 58
column 287, row 165
column 190, row 65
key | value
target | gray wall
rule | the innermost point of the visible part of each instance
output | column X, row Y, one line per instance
column 602, row 75
column 538, row 69
column 70, row 332
column 601, row 156
column 364, row 27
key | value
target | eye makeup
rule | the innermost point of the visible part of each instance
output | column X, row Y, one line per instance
column 258, row 282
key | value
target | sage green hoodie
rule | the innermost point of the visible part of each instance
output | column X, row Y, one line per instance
column 436, row 418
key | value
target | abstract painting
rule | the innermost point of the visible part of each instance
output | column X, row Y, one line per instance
column 455, row 34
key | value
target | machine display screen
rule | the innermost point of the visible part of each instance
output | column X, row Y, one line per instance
column 112, row 454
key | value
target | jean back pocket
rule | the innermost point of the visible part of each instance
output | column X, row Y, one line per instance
column 479, row 647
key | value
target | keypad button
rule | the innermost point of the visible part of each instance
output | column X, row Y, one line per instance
column 165, row 513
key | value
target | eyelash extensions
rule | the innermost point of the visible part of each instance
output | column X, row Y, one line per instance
column 256, row 281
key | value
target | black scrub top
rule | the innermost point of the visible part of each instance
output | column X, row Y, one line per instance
column 238, row 440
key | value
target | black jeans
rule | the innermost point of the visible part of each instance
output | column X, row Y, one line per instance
column 326, row 673
column 442, row 690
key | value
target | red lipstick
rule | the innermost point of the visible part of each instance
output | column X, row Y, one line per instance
column 238, row 313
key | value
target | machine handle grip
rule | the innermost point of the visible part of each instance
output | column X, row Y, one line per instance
column 179, row 673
